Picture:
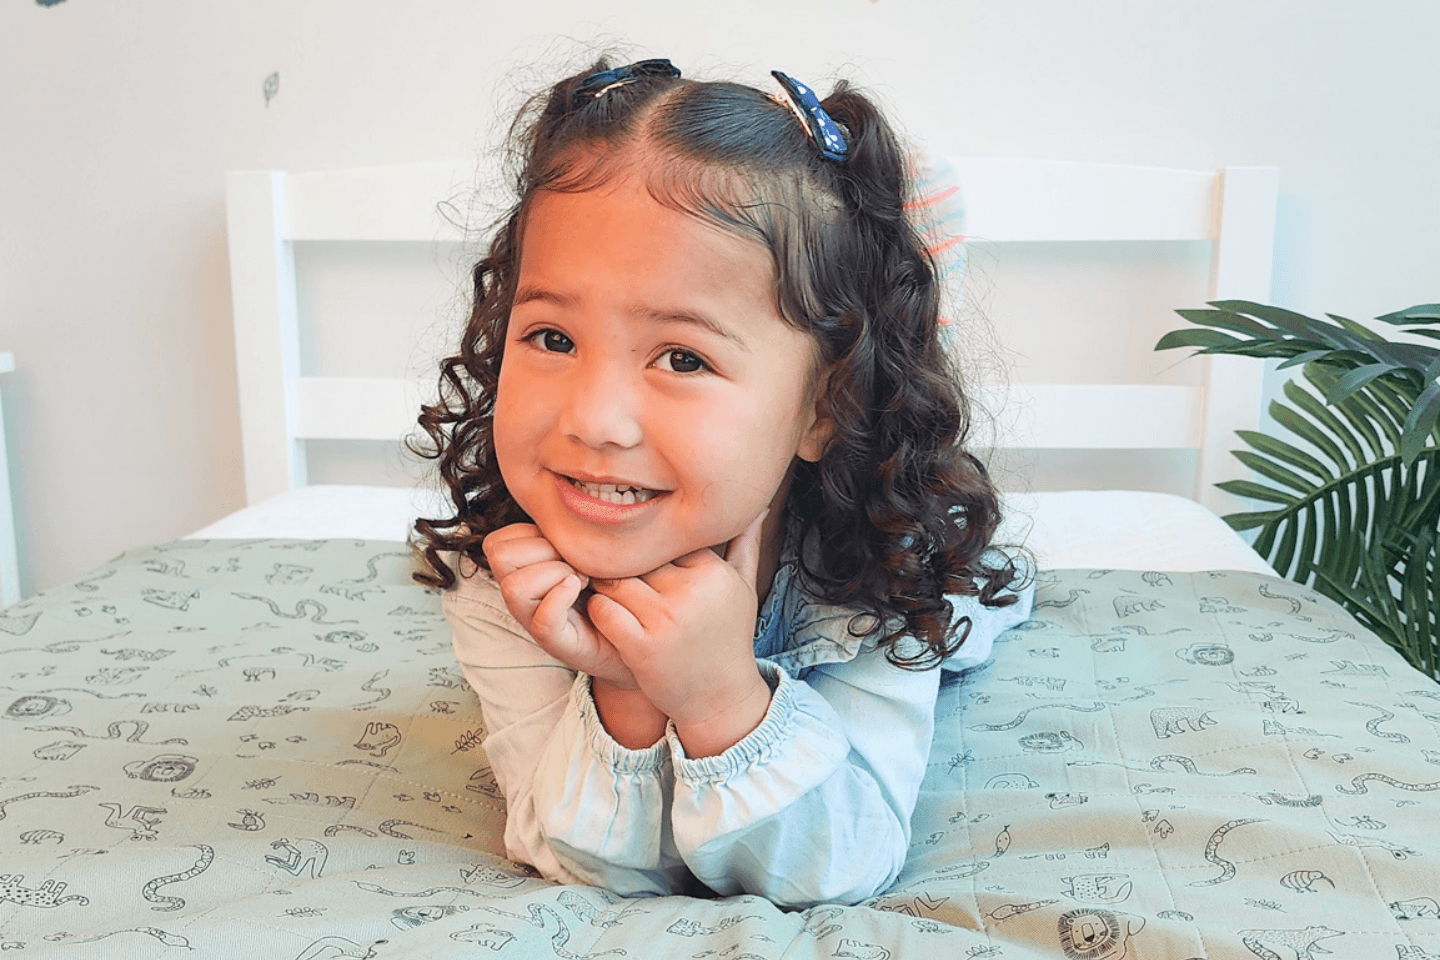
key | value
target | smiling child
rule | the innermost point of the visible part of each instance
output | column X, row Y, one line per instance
column 703, row 377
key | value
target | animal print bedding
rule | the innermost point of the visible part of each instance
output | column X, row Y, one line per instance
column 263, row 749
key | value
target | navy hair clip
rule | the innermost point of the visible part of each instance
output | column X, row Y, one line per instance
column 823, row 130
column 598, row 84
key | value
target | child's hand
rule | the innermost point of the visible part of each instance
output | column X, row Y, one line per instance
column 533, row 580
column 687, row 631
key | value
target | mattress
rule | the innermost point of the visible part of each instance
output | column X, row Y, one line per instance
column 263, row 748
column 1099, row 529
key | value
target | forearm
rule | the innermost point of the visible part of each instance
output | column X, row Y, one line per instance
column 837, row 843
column 580, row 806
column 627, row 715
column 604, row 808
column 636, row 723
column 814, row 806
column 733, row 721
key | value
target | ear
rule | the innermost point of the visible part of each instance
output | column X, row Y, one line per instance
column 816, row 438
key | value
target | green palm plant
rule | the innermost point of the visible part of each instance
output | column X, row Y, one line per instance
column 1355, row 501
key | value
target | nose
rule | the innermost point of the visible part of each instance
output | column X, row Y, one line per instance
column 602, row 409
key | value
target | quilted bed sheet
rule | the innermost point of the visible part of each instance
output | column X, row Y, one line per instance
column 226, row 748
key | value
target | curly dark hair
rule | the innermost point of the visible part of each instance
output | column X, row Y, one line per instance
column 900, row 513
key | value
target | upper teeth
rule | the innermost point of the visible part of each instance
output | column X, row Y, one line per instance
column 612, row 493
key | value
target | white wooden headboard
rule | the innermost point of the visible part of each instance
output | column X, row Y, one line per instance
column 9, row 555
column 1007, row 202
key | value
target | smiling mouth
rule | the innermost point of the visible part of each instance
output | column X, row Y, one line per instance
column 611, row 493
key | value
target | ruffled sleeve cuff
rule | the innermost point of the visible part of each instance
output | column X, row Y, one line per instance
column 605, row 748
column 794, row 748
column 604, row 809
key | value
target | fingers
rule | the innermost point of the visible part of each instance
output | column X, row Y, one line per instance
column 563, row 631
column 613, row 619
column 511, row 532
column 518, row 545
column 524, row 589
column 636, row 593
column 743, row 553
column 551, row 625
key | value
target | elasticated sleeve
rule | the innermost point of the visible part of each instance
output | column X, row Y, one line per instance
column 814, row 805
column 579, row 806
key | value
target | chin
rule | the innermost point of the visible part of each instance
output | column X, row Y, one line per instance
column 606, row 565
column 611, row 570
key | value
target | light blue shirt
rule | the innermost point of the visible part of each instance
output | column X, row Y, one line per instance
column 813, row 806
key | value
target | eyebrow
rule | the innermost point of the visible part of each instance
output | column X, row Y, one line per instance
column 649, row 314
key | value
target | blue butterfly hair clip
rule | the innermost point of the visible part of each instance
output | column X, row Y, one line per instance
column 806, row 106
column 597, row 85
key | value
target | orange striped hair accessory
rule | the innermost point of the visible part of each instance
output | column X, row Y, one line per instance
column 937, row 209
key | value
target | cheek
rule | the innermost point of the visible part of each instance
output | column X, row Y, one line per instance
column 737, row 453
column 503, row 443
column 515, row 418
column 512, row 450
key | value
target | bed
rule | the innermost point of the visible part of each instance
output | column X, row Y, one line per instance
column 254, row 741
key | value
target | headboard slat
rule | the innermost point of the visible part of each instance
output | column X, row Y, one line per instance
column 1006, row 201
column 352, row 408
column 1101, row 417
column 403, row 202
column 1050, row 200
column 1048, row 416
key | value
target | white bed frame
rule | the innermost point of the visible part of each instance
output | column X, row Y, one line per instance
column 1007, row 201
column 9, row 554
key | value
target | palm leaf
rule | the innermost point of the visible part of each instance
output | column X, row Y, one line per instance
column 1353, row 495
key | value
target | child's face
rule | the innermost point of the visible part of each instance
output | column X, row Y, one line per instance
column 621, row 388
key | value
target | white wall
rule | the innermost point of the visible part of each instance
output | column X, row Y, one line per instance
column 118, row 121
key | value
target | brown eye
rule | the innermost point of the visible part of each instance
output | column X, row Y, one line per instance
column 682, row 359
column 552, row 338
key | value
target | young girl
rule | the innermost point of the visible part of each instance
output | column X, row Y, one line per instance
column 702, row 380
